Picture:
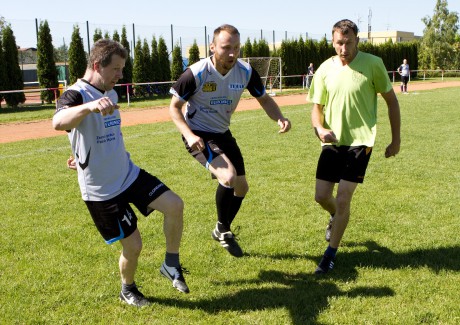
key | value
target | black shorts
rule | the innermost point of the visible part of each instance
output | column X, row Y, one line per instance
column 405, row 79
column 343, row 162
column 215, row 145
column 114, row 218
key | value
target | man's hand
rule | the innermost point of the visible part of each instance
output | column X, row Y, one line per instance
column 325, row 135
column 392, row 150
column 284, row 124
column 104, row 106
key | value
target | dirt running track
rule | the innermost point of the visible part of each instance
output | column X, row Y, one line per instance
column 11, row 132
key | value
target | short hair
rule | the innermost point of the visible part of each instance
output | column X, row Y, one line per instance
column 232, row 30
column 103, row 50
column 344, row 26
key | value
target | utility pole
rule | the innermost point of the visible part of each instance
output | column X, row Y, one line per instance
column 369, row 25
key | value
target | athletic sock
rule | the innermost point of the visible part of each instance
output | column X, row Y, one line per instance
column 224, row 197
column 234, row 208
column 330, row 251
column 127, row 287
column 172, row 259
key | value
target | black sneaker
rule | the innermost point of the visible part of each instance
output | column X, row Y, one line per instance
column 228, row 241
column 134, row 297
column 176, row 276
column 329, row 229
column 326, row 264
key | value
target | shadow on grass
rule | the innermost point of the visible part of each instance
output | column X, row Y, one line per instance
column 302, row 294
column 28, row 108
column 305, row 295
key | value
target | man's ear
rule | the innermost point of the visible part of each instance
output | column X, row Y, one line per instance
column 96, row 66
column 212, row 47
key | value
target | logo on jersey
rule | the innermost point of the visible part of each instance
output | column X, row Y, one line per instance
column 236, row 86
column 209, row 87
column 112, row 123
column 221, row 102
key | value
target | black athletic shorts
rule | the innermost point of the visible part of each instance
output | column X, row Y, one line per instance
column 343, row 162
column 405, row 79
column 215, row 145
column 114, row 218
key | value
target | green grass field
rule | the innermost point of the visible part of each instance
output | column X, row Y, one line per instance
column 399, row 262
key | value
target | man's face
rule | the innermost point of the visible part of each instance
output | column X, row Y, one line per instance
column 110, row 74
column 226, row 49
column 345, row 45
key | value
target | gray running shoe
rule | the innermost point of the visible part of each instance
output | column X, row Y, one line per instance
column 176, row 276
column 329, row 229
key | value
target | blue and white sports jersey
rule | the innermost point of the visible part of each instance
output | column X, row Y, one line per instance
column 212, row 98
column 104, row 167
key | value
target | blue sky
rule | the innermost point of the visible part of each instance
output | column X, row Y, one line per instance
column 287, row 18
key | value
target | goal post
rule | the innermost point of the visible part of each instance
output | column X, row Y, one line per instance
column 269, row 69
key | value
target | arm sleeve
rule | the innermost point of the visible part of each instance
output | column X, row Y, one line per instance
column 68, row 99
column 255, row 85
column 185, row 86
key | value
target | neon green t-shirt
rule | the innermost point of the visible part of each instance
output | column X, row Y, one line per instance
column 349, row 96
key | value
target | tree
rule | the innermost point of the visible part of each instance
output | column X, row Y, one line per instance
column 247, row 49
column 193, row 53
column 138, row 66
column 163, row 61
column 61, row 53
column 116, row 36
column 437, row 50
column 13, row 75
column 77, row 56
column 177, row 66
column 154, row 58
column 2, row 72
column 147, row 61
column 128, row 70
column 46, row 66
column 97, row 35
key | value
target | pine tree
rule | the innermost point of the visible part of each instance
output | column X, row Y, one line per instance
column 13, row 80
column 128, row 70
column 46, row 66
column 138, row 67
column 154, row 59
column 77, row 56
column 106, row 35
column 2, row 71
column 147, row 76
column 247, row 49
column 163, row 61
column 437, row 49
column 177, row 66
column 97, row 35
column 193, row 53
column 116, row 36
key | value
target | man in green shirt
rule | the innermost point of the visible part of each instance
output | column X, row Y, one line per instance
column 344, row 116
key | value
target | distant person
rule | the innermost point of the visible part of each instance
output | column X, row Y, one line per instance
column 344, row 95
column 109, row 180
column 404, row 71
column 310, row 73
column 212, row 89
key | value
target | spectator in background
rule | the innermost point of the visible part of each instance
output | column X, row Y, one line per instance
column 310, row 73
column 404, row 71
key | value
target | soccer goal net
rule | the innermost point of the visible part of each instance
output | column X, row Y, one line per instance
column 269, row 69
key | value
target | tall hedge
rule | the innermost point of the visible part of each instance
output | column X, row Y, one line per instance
column 13, row 79
column 177, row 66
column 77, row 56
column 46, row 66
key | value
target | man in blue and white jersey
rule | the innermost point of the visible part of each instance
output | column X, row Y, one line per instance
column 212, row 89
column 404, row 71
column 109, row 180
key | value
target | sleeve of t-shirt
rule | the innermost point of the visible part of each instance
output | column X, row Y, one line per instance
column 255, row 86
column 185, row 86
column 68, row 99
